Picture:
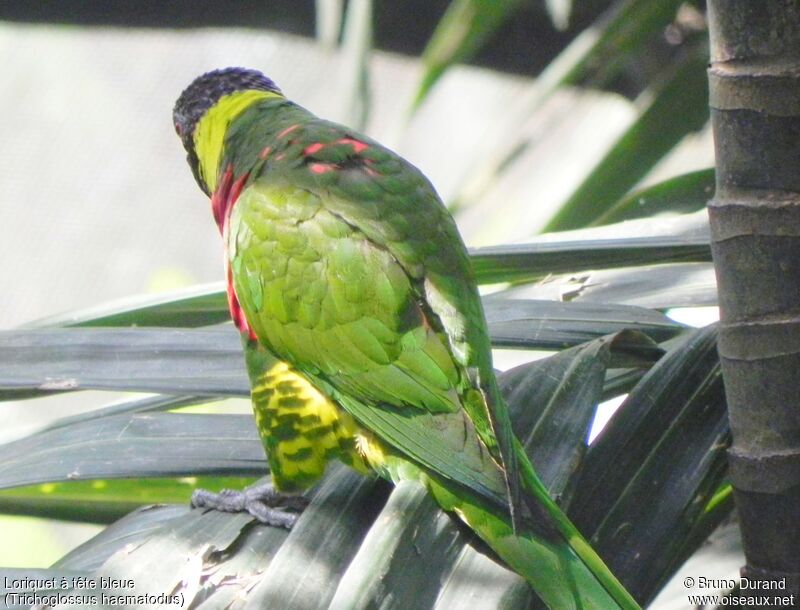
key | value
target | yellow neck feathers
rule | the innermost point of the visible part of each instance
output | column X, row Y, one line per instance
column 209, row 135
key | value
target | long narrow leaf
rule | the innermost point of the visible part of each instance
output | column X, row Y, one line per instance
column 673, row 430
column 524, row 323
column 683, row 194
column 125, row 407
column 138, row 445
column 209, row 361
column 176, row 361
column 216, row 560
column 131, row 530
column 552, row 403
column 465, row 27
column 196, row 306
column 104, row 500
column 530, row 261
column 385, row 571
column 328, row 534
column 654, row 287
column 653, row 134
column 594, row 57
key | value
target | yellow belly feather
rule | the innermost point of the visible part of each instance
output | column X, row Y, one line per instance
column 302, row 429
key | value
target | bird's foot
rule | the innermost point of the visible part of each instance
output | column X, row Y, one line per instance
column 261, row 500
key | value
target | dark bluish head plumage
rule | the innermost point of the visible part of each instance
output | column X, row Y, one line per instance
column 204, row 92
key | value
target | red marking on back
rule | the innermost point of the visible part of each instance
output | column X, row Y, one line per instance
column 288, row 130
column 267, row 150
column 224, row 198
column 358, row 145
column 237, row 314
column 313, row 148
column 321, row 168
column 370, row 171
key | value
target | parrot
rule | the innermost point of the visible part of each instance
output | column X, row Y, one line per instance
column 364, row 334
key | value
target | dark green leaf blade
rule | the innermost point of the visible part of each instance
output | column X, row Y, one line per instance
column 209, row 361
column 553, row 324
column 138, row 445
column 104, row 500
column 330, row 533
column 201, row 305
column 682, row 194
column 653, row 287
column 552, row 403
column 521, row 262
column 197, row 361
column 685, row 94
column 132, row 529
column 463, row 29
column 219, row 560
column 654, row 468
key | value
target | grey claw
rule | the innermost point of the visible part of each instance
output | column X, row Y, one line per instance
column 261, row 500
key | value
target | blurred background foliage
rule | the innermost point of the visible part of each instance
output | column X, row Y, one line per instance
column 573, row 147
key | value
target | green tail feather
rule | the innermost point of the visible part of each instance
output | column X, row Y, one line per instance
column 580, row 560
column 566, row 572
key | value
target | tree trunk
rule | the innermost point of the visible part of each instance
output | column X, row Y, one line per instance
column 755, row 224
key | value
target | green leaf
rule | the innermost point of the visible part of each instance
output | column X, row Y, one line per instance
column 515, row 263
column 686, row 193
column 463, row 29
column 716, row 512
column 219, row 559
column 209, row 361
column 137, row 445
column 655, row 132
column 671, row 434
column 553, row 324
column 132, row 529
column 478, row 582
column 104, row 500
column 592, row 58
column 177, row 361
column 552, row 403
column 653, row 287
column 330, row 532
column 386, row 569
column 196, row 306
column 135, row 405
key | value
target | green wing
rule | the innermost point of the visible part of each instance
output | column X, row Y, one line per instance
column 323, row 296
column 394, row 208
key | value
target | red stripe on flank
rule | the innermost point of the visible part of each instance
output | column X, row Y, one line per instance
column 265, row 152
column 237, row 315
column 225, row 196
column 220, row 196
